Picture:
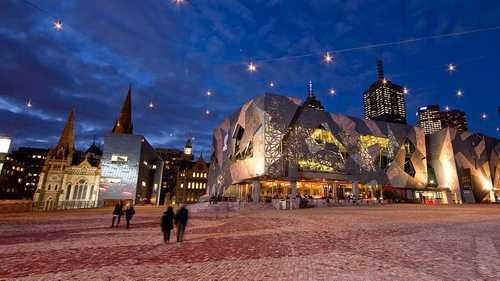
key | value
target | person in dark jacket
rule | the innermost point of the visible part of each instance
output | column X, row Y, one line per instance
column 167, row 223
column 117, row 214
column 129, row 213
column 181, row 220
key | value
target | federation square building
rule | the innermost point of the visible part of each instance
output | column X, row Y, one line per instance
column 278, row 147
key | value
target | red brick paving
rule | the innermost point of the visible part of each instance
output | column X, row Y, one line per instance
column 399, row 242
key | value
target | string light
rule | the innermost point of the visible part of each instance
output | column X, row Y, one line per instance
column 498, row 129
column 207, row 112
column 209, row 93
column 484, row 116
column 447, row 108
column 328, row 58
column 58, row 24
column 460, row 93
column 451, row 68
column 151, row 104
column 28, row 103
column 332, row 92
column 252, row 67
column 271, row 84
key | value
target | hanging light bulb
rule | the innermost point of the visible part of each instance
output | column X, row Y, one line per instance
column 58, row 24
column 328, row 58
column 271, row 84
column 151, row 104
column 209, row 93
column 451, row 67
column 460, row 93
column 252, row 67
column 28, row 103
column 332, row 92
column 207, row 112
column 484, row 116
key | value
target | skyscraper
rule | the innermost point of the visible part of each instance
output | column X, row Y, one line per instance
column 384, row 100
column 429, row 119
column 454, row 119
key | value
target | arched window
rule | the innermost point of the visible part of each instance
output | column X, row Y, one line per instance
column 48, row 188
column 68, row 191
column 75, row 192
column 84, row 195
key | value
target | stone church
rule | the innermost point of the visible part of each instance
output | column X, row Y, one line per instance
column 69, row 178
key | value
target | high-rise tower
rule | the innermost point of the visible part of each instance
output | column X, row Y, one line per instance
column 429, row 119
column 384, row 100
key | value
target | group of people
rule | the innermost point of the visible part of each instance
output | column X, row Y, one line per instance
column 118, row 213
column 168, row 220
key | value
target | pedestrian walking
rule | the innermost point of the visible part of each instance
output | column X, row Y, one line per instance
column 117, row 214
column 129, row 213
column 167, row 223
column 181, row 219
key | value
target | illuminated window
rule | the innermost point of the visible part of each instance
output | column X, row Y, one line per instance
column 409, row 147
column 408, row 167
column 182, row 185
column 189, row 184
column 119, row 159
column 313, row 166
column 143, row 183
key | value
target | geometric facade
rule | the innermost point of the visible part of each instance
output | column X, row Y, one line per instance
column 277, row 147
column 475, row 159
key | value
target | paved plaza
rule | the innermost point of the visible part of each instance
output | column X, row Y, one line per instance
column 394, row 242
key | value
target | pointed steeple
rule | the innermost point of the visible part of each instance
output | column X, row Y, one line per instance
column 66, row 146
column 123, row 124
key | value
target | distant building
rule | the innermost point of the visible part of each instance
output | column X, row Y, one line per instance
column 184, row 179
column 19, row 178
column 432, row 119
column 384, row 100
column 69, row 178
column 429, row 119
column 131, row 169
column 5, row 143
column 454, row 119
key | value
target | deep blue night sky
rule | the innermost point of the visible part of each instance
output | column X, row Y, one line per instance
column 173, row 54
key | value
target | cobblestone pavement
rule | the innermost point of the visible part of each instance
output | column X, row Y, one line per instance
column 395, row 242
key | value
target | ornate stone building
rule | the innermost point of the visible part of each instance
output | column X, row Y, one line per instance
column 184, row 179
column 69, row 178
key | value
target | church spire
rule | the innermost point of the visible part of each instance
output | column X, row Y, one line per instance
column 124, row 123
column 66, row 146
